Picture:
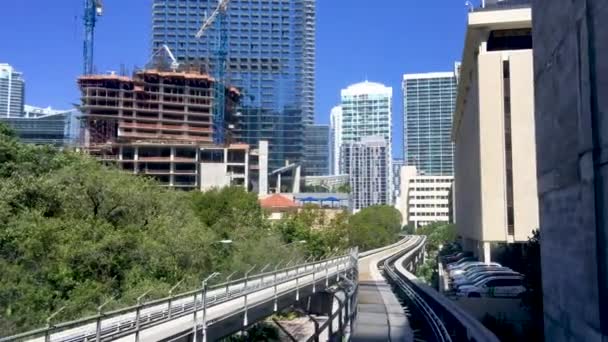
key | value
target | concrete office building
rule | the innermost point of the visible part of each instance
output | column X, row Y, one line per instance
column 367, row 163
column 271, row 60
column 428, row 107
column 12, row 91
column 571, row 83
column 423, row 199
column 335, row 139
column 316, row 150
column 493, row 131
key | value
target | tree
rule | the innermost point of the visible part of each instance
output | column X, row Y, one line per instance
column 374, row 226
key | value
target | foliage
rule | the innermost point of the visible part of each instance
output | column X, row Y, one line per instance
column 438, row 234
column 409, row 229
column 343, row 188
column 259, row 332
column 374, row 226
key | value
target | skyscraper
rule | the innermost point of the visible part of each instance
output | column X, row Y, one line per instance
column 335, row 139
column 367, row 164
column 428, row 102
column 366, row 111
column 271, row 59
column 316, row 150
column 12, row 92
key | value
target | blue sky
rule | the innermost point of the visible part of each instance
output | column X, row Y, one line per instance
column 356, row 40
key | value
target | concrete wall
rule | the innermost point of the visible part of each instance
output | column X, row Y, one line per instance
column 525, row 198
column 571, row 83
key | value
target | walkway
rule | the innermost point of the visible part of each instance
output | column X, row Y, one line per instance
column 380, row 316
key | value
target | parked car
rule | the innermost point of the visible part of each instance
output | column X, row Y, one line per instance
column 470, row 266
column 479, row 276
column 479, row 269
column 456, row 257
column 460, row 262
column 504, row 286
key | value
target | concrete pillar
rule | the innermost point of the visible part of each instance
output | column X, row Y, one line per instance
column 296, row 179
column 486, row 252
column 278, row 183
column 263, row 167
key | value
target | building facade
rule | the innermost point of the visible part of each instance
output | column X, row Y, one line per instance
column 46, row 126
column 335, row 138
column 428, row 107
column 424, row 199
column 493, row 131
column 316, row 150
column 367, row 162
column 270, row 59
column 570, row 79
column 396, row 169
column 12, row 91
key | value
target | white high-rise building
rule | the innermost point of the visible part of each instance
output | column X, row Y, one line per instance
column 335, row 139
column 12, row 91
column 367, row 163
column 367, row 112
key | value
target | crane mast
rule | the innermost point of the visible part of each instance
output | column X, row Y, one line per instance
column 92, row 9
column 218, row 19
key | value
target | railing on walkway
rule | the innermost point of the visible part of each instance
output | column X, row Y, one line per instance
column 133, row 319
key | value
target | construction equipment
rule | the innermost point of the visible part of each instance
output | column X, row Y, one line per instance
column 164, row 48
column 218, row 18
column 92, row 10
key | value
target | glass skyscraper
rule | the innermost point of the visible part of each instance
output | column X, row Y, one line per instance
column 316, row 150
column 428, row 102
column 271, row 59
column 12, row 92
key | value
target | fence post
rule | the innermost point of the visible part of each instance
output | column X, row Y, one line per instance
column 137, row 314
column 169, row 309
column 99, row 316
column 47, row 334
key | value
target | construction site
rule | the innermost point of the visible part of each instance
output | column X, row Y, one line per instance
column 161, row 124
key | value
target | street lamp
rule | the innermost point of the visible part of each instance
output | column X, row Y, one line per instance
column 213, row 275
column 224, row 242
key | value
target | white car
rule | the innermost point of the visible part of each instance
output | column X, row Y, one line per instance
column 469, row 266
column 510, row 286
column 460, row 262
column 478, row 270
column 482, row 275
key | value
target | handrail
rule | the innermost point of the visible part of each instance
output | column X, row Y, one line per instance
column 327, row 264
column 459, row 322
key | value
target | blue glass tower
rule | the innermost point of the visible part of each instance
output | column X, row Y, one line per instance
column 271, row 59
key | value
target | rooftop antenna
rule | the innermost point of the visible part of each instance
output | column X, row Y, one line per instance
column 469, row 5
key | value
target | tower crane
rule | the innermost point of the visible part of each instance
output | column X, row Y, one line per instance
column 92, row 10
column 218, row 18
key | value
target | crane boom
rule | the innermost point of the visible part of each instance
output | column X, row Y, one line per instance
column 165, row 48
column 218, row 18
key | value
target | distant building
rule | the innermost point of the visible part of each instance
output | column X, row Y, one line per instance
column 12, row 92
column 428, row 107
column 424, row 199
column 271, row 59
column 396, row 168
column 46, row 126
column 316, row 150
column 367, row 111
column 335, row 139
column 367, row 162
column 496, row 193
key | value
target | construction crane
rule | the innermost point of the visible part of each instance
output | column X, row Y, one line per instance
column 218, row 18
column 164, row 48
column 92, row 10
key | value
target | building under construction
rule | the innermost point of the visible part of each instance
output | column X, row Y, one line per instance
column 160, row 123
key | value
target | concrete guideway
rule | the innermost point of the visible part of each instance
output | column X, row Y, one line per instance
column 380, row 316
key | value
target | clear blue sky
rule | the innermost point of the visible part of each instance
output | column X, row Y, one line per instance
column 356, row 39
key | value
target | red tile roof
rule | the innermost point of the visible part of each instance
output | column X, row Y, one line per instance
column 277, row 201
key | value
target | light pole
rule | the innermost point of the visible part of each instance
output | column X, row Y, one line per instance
column 228, row 282
column 213, row 275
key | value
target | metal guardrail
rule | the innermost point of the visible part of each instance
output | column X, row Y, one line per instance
column 457, row 324
column 132, row 319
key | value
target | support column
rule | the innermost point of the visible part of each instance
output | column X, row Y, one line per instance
column 486, row 252
column 278, row 191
